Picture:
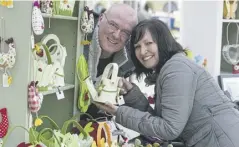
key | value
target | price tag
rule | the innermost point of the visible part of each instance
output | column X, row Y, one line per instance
column 60, row 95
column 32, row 41
column 41, row 97
column 5, row 80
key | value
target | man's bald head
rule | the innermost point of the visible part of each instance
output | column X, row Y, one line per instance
column 124, row 10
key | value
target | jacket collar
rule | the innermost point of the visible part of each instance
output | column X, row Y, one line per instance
column 94, row 55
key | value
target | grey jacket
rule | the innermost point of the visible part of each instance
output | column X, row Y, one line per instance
column 189, row 104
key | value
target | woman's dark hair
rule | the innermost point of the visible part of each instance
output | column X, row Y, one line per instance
column 167, row 45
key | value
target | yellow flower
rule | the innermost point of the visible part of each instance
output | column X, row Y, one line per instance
column 38, row 122
column 37, row 48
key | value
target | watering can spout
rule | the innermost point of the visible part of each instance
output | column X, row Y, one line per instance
column 91, row 88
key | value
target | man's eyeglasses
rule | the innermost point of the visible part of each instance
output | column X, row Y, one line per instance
column 124, row 34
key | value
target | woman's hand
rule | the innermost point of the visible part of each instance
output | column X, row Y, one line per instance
column 124, row 86
column 107, row 107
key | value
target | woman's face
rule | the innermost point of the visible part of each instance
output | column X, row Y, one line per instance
column 146, row 51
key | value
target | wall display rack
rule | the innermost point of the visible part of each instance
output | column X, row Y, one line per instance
column 18, row 26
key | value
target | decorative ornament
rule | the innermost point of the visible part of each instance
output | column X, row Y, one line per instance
column 82, row 72
column 37, row 19
column 87, row 24
column 7, row 61
column 4, row 123
column 6, row 3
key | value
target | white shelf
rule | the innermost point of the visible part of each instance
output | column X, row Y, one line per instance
column 66, row 87
column 59, row 17
column 230, row 20
column 226, row 73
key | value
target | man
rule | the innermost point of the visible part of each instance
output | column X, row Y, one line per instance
column 110, row 36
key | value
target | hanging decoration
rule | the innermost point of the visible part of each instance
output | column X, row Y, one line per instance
column 7, row 61
column 6, row 3
column 229, row 9
column 82, row 73
column 38, row 25
column 46, row 6
column 34, row 99
column 4, row 123
column 230, row 51
column 49, row 63
column 87, row 24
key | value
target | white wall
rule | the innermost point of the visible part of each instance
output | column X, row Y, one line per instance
column 201, row 30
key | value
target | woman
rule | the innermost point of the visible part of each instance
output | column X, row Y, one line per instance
column 189, row 104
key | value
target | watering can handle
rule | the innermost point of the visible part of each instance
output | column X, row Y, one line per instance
column 111, row 69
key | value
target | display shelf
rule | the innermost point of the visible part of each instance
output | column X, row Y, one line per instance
column 59, row 17
column 226, row 73
column 66, row 87
column 230, row 20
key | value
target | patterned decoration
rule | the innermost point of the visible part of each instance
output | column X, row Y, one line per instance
column 34, row 100
column 46, row 6
column 37, row 20
column 4, row 124
column 87, row 24
column 8, row 58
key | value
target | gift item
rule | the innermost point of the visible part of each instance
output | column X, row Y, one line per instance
column 82, row 140
column 229, row 9
column 38, row 25
column 230, row 52
column 99, row 130
column 34, row 99
column 7, row 60
column 46, row 6
column 64, row 7
column 49, row 63
column 87, row 24
column 34, row 138
column 82, row 74
column 4, row 123
column 66, row 139
column 101, row 142
column 7, row 3
column 108, row 90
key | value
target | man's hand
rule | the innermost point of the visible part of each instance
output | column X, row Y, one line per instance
column 124, row 86
column 107, row 107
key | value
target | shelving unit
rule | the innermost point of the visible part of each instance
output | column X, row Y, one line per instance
column 66, row 28
column 14, row 98
column 59, row 17
column 204, row 32
column 66, row 87
column 225, row 68
column 230, row 20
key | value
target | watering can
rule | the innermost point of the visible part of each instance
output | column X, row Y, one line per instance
column 108, row 90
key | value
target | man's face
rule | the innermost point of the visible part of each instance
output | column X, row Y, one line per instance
column 114, row 30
